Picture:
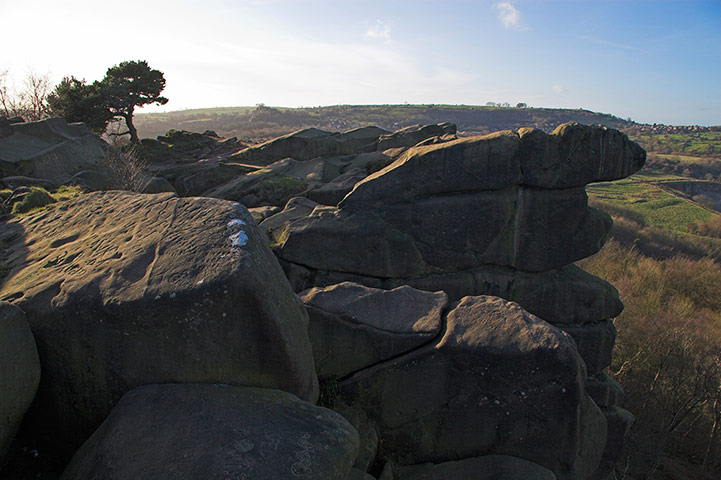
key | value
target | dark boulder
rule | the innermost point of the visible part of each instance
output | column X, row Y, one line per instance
column 216, row 431
column 125, row 289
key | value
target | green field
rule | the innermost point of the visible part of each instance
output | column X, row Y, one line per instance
column 655, row 206
column 693, row 144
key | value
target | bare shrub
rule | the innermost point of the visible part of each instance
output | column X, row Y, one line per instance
column 668, row 359
column 710, row 228
column 28, row 102
column 127, row 169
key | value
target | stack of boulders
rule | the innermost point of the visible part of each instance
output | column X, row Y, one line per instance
column 504, row 214
column 171, row 344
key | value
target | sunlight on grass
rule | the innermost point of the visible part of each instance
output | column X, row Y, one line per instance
column 657, row 207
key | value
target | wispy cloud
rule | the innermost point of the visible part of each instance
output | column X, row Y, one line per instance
column 560, row 89
column 606, row 43
column 379, row 31
column 509, row 16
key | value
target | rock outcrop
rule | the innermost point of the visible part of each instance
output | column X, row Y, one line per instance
column 375, row 325
column 504, row 214
column 311, row 143
column 50, row 149
column 438, row 306
column 216, row 431
column 125, row 289
column 19, row 372
column 482, row 377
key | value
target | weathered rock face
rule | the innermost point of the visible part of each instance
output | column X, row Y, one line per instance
column 354, row 327
column 182, row 146
column 535, row 226
column 498, row 381
column 126, row 289
column 311, row 143
column 19, row 372
column 410, row 136
column 504, row 214
column 216, row 431
column 50, row 149
column 273, row 185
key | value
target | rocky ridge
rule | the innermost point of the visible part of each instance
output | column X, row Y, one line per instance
column 166, row 326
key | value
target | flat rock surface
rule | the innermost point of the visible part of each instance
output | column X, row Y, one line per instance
column 50, row 149
column 354, row 327
column 216, row 432
column 124, row 289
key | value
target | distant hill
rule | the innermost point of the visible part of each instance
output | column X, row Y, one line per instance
column 262, row 122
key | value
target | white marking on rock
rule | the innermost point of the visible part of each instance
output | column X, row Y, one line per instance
column 238, row 239
column 236, row 222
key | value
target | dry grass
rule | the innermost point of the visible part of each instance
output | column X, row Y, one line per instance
column 668, row 359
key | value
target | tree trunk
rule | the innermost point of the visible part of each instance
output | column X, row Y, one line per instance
column 131, row 128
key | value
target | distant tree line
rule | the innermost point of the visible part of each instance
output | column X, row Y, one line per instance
column 506, row 105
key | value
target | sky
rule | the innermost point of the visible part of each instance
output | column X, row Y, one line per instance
column 649, row 60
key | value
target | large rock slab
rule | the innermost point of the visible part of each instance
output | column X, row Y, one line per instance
column 512, row 199
column 354, row 327
column 572, row 156
column 595, row 343
column 216, row 431
column 19, row 372
column 311, row 143
column 333, row 192
column 529, row 229
column 575, row 155
column 411, row 135
column 619, row 423
column 50, row 149
column 296, row 207
column 273, row 185
column 361, row 243
column 499, row 381
column 565, row 296
column 490, row 467
column 125, row 289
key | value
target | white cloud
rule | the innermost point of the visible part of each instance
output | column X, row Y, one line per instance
column 560, row 89
column 509, row 16
column 379, row 31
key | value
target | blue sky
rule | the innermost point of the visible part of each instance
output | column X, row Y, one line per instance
column 652, row 61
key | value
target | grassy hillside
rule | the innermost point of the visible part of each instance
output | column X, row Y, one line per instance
column 262, row 122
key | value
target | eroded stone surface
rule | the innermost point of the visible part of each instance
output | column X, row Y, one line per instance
column 50, row 149
column 500, row 381
column 564, row 296
column 19, row 372
column 125, row 289
column 354, row 327
column 216, row 431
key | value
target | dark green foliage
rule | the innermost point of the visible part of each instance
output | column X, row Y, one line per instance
column 125, row 86
column 132, row 84
column 78, row 101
